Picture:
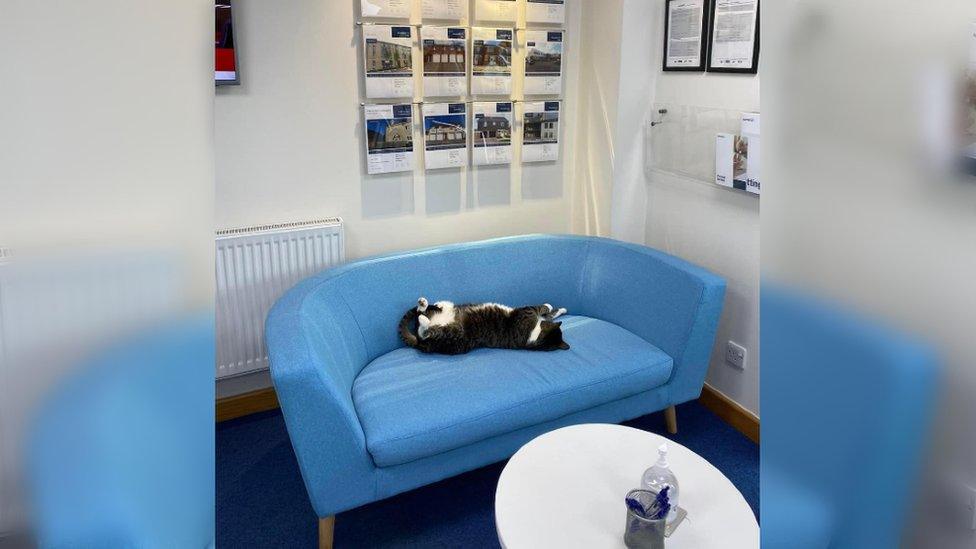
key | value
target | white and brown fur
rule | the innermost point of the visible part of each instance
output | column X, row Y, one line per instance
column 446, row 328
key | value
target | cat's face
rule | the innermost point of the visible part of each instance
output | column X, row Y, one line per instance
column 552, row 337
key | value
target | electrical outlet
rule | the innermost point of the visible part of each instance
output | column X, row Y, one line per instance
column 735, row 355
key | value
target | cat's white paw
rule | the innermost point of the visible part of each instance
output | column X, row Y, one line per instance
column 422, row 304
column 547, row 306
column 559, row 313
column 423, row 321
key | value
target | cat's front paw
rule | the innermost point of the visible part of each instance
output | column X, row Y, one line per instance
column 422, row 304
column 547, row 306
column 559, row 312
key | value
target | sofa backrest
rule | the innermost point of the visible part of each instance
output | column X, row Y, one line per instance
column 518, row 271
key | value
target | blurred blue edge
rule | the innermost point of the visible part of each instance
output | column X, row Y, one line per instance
column 846, row 405
column 121, row 453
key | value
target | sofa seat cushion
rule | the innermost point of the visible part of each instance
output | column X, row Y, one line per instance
column 413, row 405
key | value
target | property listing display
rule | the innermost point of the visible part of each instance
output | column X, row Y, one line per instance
column 540, row 131
column 491, row 61
column 445, row 135
column 389, row 138
column 388, row 54
column 737, row 157
column 445, row 9
column 495, row 10
column 445, row 69
column 399, row 9
column 545, row 11
column 543, row 62
column 491, row 133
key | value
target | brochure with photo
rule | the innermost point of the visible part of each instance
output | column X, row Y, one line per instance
column 445, row 61
column 491, row 133
column 750, row 134
column 445, row 135
column 396, row 9
column 549, row 12
column 389, row 138
column 491, row 61
column 731, row 161
column 543, row 62
column 495, row 10
column 388, row 55
column 540, row 131
column 454, row 10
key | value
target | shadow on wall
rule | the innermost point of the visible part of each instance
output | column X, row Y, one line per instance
column 387, row 195
column 444, row 191
column 542, row 181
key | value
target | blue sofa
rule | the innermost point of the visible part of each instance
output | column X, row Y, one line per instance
column 369, row 418
column 847, row 406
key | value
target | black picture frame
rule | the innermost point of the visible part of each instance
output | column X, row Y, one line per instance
column 704, row 41
column 755, row 44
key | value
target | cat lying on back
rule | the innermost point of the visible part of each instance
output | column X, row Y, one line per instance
column 450, row 329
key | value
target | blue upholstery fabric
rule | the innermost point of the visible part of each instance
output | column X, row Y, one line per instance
column 121, row 453
column 846, row 425
column 413, row 405
column 324, row 333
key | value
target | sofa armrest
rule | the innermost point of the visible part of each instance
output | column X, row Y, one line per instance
column 669, row 302
column 314, row 359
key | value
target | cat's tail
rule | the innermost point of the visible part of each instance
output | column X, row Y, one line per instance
column 405, row 334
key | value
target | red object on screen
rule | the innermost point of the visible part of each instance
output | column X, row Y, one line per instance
column 225, row 59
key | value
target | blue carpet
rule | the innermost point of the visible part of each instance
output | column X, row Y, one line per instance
column 261, row 501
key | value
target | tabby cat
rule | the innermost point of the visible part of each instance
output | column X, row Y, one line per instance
column 446, row 328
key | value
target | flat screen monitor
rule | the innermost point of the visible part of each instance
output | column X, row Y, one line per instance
column 225, row 63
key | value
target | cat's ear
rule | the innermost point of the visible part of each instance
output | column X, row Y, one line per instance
column 564, row 346
column 557, row 324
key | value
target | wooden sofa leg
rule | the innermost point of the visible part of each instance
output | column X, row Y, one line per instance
column 326, row 529
column 671, row 418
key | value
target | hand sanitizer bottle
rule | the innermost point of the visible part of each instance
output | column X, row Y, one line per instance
column 659, row 475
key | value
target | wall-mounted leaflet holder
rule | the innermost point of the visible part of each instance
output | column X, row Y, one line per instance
column 682, row 139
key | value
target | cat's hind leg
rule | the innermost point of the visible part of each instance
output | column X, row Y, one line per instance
column 557, row 313
column 548, row 312
column 423, row 325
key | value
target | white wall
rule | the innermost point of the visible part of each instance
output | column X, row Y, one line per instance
column 710, row 225
column 289, row 146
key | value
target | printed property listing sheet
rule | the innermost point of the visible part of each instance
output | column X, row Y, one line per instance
column 491, row 61
column 549, row 12
column 397, row 9
column 491, row 133
column 543, row 62
column 445, row 135
column 540, row 131
column 389, row 138
column 445, row 9
column 495, row 10
column 388, row 55
column 445, row 61
column 685, row 40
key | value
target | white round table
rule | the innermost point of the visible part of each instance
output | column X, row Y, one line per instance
column 566, row 489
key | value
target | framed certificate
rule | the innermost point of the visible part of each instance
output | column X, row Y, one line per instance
column 733, row 36
column 685, row 35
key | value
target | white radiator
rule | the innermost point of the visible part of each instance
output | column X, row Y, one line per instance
column 255, row 266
